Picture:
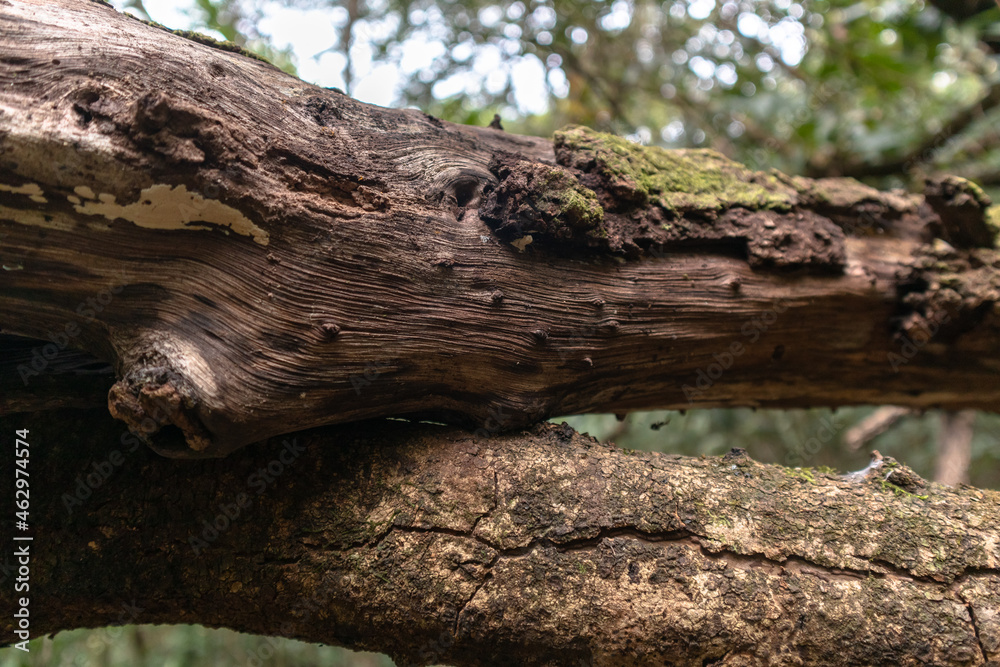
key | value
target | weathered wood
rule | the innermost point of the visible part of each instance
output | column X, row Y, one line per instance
column 542, row 548
column 255, row 255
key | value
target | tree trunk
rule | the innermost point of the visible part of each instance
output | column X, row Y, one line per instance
column 254, row 255
column 537, row 548
column 954, row 447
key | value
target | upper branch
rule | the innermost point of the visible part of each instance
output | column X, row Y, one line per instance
column 255, row 255
column 922, row 153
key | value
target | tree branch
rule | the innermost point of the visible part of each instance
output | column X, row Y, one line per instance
column 954, row 447
column 874, row 425
column 438, row 546
column 254, row 255
column 922, row 153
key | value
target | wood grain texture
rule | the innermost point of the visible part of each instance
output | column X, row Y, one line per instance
column 255, row 255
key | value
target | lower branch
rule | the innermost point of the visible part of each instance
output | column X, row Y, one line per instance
column 543, row 547
column 255, row 256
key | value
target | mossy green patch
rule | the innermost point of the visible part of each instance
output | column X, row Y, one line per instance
column 570, row 202
column 842, row 193
column 899, row 491
column 993, row 222
column 678, row 180
column 973, row 190
column 801, row 473
column 545, row 201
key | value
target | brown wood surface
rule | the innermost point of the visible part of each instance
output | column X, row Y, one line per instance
column 224, row 254
column 545, row 547
column 255, row 255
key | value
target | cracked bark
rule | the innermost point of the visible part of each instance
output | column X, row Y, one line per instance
column 239, row 255
column 541, row 547
column 254, row 255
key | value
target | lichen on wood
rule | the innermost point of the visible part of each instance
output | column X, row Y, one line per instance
column 543, row 547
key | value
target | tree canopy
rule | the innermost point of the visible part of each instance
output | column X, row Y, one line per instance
column 885, row 89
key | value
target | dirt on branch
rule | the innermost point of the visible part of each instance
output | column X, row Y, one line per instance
column 538, row 548
column 254, row 255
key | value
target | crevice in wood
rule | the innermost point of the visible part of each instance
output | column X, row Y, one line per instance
column 975, row 630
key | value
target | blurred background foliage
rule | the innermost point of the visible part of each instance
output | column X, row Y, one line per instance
column 877, row 89
column 887, row 91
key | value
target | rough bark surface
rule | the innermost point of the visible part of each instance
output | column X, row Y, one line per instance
column 536, row 548
column 254, row 255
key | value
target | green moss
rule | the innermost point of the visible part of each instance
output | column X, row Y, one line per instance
column 899, row 491
column 993, row 222
column 580, row 206
column 801, row 473
column 679, row 180
column 572, row 204
column 971, row 188
column 720, row 519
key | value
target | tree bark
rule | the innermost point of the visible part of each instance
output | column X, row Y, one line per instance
column 954, row 447
column 226, row 254
column 536, row 548
column 254, row 255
